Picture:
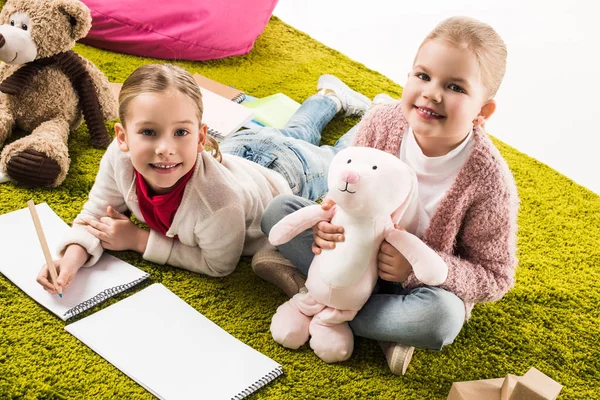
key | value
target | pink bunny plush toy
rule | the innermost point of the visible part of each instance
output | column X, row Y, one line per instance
column 372, row 191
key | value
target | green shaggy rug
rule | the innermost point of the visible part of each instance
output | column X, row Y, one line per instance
column 550, row 320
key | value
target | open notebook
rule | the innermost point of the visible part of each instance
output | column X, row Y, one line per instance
column 172, row 350
column 153, row 336
column 22, row 258
column 223, row 117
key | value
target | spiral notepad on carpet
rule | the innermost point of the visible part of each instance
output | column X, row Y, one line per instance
column 23, row 259
column 172, row 350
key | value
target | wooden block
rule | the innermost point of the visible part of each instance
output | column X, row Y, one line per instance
column 487, row 389
column 534, row 385
column 508, row 386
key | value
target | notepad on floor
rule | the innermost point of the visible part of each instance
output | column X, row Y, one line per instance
column 223, row 117
column 228, row 92
column 274, row 111
column 172, row 350
column 22, row 259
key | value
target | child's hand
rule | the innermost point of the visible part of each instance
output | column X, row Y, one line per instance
column 117, row 232
column 393, row 267
column 66, row 268
column 325, row 233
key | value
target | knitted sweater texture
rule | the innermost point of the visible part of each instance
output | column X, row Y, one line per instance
column 474, row 226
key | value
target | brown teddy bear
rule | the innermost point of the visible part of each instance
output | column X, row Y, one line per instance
column 46, row 88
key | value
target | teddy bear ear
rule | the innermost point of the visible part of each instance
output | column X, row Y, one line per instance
column 78, row 15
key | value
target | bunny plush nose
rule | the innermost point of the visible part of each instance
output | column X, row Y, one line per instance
column 2, row 41
column 350, row 177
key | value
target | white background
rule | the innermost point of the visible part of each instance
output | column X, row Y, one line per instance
column 549, row 101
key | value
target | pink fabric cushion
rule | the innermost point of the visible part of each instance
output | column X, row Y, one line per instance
column 178, row 29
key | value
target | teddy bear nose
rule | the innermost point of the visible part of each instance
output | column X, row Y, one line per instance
column 2, row 41
column 350, row 177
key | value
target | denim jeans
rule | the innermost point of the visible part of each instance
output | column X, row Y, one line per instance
column 425, row 317
column 294, row 151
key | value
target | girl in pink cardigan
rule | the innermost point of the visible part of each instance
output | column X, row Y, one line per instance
column 468, row 198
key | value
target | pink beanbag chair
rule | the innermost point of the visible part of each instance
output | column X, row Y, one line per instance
column 178, row 29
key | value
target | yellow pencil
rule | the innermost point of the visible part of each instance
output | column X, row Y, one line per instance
column 44, row 244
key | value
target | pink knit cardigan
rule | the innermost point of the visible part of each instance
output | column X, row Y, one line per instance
column 474, row 226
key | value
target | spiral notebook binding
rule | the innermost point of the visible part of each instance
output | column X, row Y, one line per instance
column 214, row 133
column 102, row 296
column 268, row 378
column 239, row 98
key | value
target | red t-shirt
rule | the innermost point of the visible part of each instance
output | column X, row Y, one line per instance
column 159, row 209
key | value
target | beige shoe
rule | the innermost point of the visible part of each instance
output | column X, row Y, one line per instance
column 398, row 356
column 273, row 267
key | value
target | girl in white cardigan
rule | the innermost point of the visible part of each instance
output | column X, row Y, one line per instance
column 203, row 208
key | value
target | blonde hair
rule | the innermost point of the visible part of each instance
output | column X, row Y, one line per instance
column 158, row 78
column 487, row 46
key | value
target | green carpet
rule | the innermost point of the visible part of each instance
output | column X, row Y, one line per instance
column 550, row 320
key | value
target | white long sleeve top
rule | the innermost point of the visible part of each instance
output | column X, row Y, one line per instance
column 217, row 221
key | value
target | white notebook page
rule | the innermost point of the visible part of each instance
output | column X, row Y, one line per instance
column 171, row 349
column 22, row 259
column 223, row 115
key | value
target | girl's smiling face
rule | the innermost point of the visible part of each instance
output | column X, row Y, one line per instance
column 444, row 96
column 163, row 136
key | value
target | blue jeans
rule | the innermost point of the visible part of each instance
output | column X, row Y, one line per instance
column 294, row 151
column 425, row 317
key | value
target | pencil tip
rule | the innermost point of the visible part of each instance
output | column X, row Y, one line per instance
column 60, row 294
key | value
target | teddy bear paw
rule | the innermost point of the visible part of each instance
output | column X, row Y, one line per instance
column 33, row 168
column 4, row 177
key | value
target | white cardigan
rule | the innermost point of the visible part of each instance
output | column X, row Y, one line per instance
column 218, row 219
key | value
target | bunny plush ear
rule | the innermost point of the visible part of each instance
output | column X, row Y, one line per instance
column 407, row 215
